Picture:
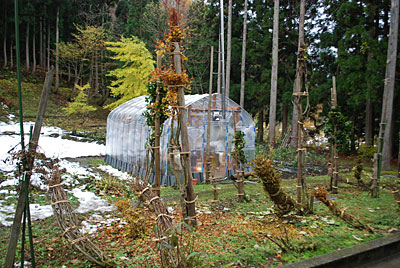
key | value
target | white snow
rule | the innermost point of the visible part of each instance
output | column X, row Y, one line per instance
column 88, row 201
column 115, row 172
column 53, row 146
column 39, row 212
column 6, row 214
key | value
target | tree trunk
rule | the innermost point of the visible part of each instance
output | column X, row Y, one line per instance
column 5, row 35
column 182, row 117
column 11, row 55
column 69, row 74
column 228, row 50
column 243, row 67
column 260, row 131
column 48, row 46
column 5, row 47
column 112, row 13
column 274, row 77
column 97, row 75
column 157, row 134
column 41, row 42
column 368, row 122
column 34, row 49
column 299, row 74
column 285, row 111
column 27, row 47
column 387, row 107
column 57, row 40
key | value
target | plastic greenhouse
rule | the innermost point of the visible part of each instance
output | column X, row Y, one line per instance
column 127, row 134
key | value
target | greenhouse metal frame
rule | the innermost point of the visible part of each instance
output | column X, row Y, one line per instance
column 127, row 134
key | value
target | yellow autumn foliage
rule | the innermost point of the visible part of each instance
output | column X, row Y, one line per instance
column 131, row 78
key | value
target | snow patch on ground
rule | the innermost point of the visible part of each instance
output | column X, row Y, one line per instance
column 115, row 172
column 53, row 146
column 39, row 212
column 88, row 201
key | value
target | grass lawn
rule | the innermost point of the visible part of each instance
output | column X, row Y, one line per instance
column 229, row 233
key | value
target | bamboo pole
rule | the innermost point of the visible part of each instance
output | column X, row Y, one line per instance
column 16, row 227
column 207, row 160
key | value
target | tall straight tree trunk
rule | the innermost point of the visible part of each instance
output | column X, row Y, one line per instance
column 243, row 67
column 48, row 46
column 97, row 75
column 260, row 127
column 5, row 47
column 11, row 55
column 274, row 76
column 5, row 35
column 69, row 74
column 27, row 47
column 368, row 122
column 41, row 42
column 285, row 111
column 34, row 49
column 387, row 108
column 373, row 25
column 299, row 75
column 57, row 40
column 228, row 51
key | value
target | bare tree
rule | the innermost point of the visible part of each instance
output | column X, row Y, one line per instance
column 27, row 47
column 41, row 42
column 274, row 76
column 386, row 128
column 57, row 40
column 5, row 46
column 228, row 50
column 34, row 49
column 243, row 67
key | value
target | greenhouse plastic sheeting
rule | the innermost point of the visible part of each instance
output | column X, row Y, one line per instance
column 127, row 135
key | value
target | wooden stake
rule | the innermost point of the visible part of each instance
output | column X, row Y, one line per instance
column 215, row 189
column 157, row 133
column 240, row 183
column 16, row 227
column 182, row 117
column 375, row 176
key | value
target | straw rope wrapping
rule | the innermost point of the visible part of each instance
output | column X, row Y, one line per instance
column 321, row 194
column 164, row 223
column 68, row 222
column 272, row 185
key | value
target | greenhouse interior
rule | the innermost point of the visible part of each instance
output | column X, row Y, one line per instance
column 127, row 133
